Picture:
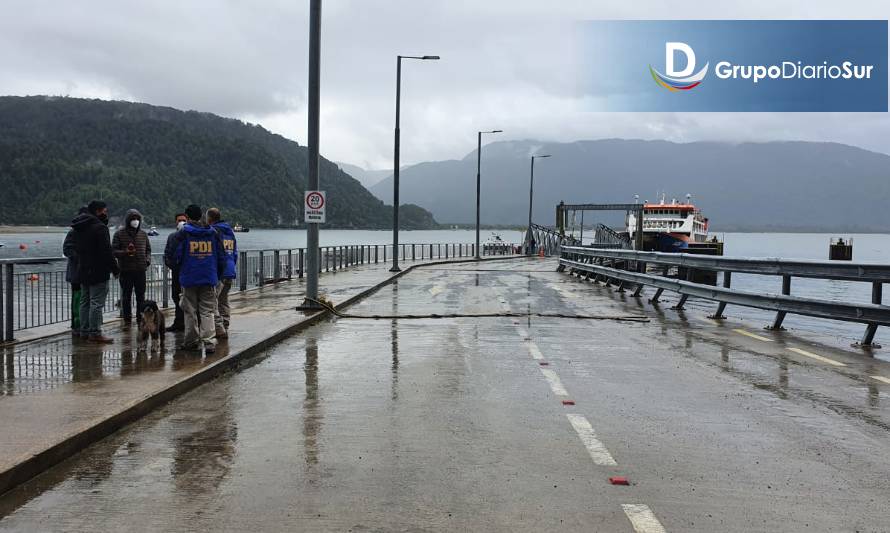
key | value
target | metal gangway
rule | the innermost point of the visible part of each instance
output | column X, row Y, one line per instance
column 606, row 237
column 541, row 238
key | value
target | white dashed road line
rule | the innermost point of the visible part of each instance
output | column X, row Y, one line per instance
column 595, row 448
column 882, row 379
column 534, row 351
column 752, row 335
column 819, row 358
column 555, row 383
column 642, row 518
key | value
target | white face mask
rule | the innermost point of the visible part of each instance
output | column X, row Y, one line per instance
column 180, row 225
column 134, row 223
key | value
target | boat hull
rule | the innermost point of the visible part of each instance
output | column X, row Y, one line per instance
column 665, row 242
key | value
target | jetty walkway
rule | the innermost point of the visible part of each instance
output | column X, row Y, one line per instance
column 464, row 423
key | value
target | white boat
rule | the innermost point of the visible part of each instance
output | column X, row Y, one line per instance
column 669, row 226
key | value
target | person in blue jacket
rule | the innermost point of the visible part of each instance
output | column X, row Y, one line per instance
column 198, row 253
column 230, row 247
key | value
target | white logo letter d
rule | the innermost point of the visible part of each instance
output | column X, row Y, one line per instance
column 669, row 49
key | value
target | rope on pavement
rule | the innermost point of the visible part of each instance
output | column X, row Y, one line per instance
column 506, row 314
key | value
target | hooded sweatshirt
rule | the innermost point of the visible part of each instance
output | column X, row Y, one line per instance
column 92, row 246
column 131, row 246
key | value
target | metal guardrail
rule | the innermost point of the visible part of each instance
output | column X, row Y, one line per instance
column 631, row 268
column 34, row 293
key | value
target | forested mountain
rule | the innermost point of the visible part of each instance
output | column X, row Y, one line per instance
column 768, row 186
column 58, row 153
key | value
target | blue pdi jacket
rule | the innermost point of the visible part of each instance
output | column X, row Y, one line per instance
column 230, row 247
column 199, row 255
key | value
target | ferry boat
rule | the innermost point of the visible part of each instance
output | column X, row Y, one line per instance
column 238, row 228
column 669, row 227
column 153, row 232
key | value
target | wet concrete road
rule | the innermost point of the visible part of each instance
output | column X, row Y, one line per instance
column 56, row 387
column 455, row 425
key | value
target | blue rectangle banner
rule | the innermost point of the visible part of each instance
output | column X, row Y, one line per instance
column 735, row 65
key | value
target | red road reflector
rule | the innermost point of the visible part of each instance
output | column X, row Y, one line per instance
column 568, row 402
column 619, row 480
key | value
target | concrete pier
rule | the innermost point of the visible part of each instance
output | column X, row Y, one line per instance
column 480, row 424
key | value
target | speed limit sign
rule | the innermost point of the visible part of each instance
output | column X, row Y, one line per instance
column 314, row 206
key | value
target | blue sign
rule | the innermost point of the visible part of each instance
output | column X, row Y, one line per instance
column 735, row 65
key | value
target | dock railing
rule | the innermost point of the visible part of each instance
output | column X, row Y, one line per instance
column 34, row 293
column 632, row 269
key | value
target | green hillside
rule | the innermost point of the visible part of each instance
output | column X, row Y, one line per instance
column 58, row 153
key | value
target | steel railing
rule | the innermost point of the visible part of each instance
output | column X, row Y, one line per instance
column 34, row 293
column 639, row 269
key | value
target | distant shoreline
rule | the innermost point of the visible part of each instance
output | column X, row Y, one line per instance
column 12, row 229
column 32, row 229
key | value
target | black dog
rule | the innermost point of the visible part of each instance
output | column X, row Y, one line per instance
column 152, row 324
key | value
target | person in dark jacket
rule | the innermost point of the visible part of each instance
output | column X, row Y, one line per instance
column 132, row 250
column 230, row 247
column 198, row 253
column 69, row 250
column 176, row 288
column 95, row 263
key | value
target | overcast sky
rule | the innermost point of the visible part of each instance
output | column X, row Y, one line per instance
column 506, row 64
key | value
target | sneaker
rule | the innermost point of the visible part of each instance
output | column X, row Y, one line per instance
column 194, row 347
column 99, row 339
column 222, row 334
column 209, row 347
column 175, row 327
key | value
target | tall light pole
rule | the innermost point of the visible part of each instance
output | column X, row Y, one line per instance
column 531, row 195
column 313, row 149
column 479, row 183
column 395, row 168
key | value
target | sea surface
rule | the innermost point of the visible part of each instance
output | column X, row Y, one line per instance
column 867, row 248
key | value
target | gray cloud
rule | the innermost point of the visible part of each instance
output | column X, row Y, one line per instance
column 506, row 64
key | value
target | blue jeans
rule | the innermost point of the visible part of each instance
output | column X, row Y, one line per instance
column 92, row 302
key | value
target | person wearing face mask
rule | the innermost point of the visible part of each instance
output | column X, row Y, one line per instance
column 95, row 263
column 176, row 288
column 132, row 250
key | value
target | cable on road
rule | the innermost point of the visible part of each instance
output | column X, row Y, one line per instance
column 505, row 314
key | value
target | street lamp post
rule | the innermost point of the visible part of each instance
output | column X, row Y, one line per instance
column 531, row 195
column 395, row 169
column 479, row 183
column 312, row 253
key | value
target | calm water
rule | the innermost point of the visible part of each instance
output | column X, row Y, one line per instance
column 49, row 244
column 866, row 248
